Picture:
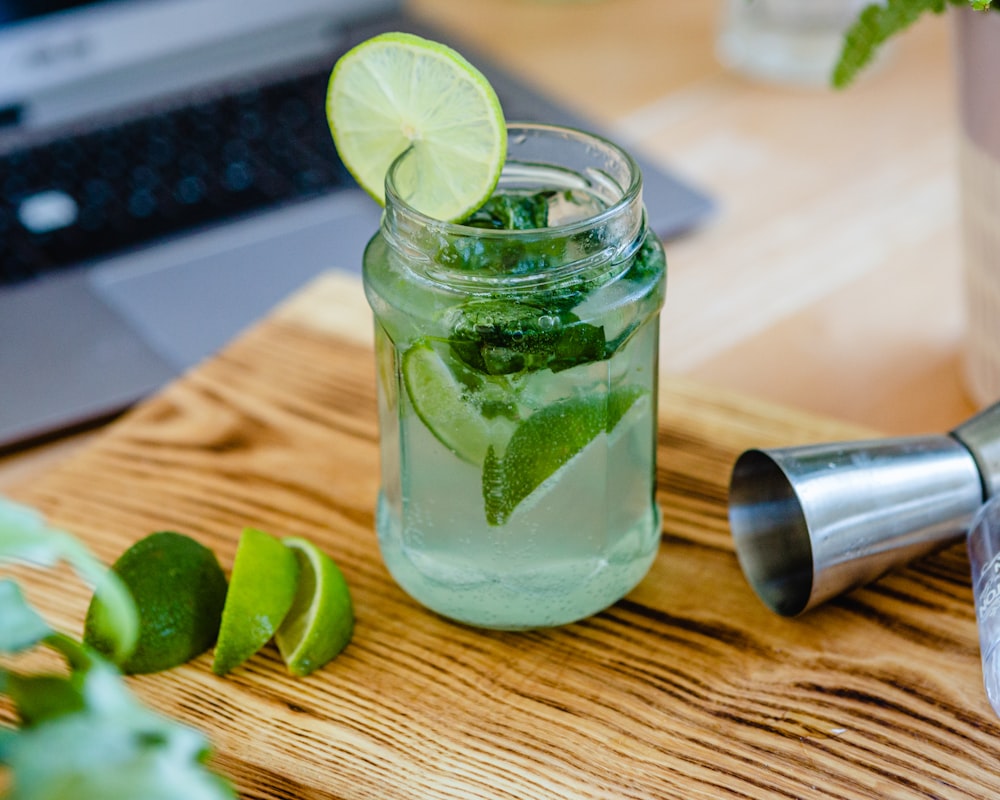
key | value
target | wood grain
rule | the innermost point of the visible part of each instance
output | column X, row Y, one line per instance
column 687, row 688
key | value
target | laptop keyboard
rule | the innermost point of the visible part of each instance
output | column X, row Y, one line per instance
column 103, row 191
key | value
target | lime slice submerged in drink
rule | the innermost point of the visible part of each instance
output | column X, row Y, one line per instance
column 544, row 444
column 442, row 402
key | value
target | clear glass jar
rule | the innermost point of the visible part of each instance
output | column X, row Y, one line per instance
column 517, row 384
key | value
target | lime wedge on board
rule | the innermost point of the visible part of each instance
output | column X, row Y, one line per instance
column 262, row 588
column 321, row 620
column 179, row 590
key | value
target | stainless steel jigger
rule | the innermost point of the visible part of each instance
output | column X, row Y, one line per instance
column 813, row 522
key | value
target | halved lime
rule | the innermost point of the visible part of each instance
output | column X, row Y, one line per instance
column 398, row 91
column 262, row 588
column 443, row 404
column 179, row 590
column 321, row 620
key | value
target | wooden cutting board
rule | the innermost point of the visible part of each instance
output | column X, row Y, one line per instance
column 688, row 688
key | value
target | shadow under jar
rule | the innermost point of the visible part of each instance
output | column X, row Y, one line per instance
column 517, row 386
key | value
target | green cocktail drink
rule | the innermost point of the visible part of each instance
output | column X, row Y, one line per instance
column 517, row 373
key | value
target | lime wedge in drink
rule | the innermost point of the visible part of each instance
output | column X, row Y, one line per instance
column 441, row 401
column 321, row 620
column 543, row 444
column 262, row 587
column 397, row 92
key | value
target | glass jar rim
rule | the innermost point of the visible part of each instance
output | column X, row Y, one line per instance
column 629, row 194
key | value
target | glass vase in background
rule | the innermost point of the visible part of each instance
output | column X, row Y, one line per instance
column 793, row 42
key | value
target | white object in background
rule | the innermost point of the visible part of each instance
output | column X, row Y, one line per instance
column 785, row 41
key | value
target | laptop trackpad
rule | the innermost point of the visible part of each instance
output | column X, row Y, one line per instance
column 67, row 359
column 188, row 298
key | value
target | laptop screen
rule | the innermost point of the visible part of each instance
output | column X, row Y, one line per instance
column 18, row 10
column 49, row 46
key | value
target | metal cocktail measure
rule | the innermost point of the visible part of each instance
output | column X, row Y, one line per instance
column 813, row 522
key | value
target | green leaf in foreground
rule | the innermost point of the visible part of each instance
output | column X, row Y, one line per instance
column 109, row 747
column 22, row 626
column 25, row 536
column 82, row 734
column 544, row 443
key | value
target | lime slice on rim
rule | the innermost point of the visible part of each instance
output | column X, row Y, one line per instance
column 262, row 588
column 321, row 620
column 397, row 92
column 440, row 400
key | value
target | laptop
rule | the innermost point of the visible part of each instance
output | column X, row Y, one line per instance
column 167, row 177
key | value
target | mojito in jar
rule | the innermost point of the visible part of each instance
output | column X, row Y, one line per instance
column 517, row 385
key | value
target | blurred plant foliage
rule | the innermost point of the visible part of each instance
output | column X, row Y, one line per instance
column 82, row 733
column 878, row 23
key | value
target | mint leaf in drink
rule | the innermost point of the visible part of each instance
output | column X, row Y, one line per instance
column 648, row 262
column 513, row 212
column 505, row 211
column 504, row 337
column 580, row 343
column 544, row 443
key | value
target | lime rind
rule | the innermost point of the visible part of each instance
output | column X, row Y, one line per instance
column 320, row 623
column 398, row 93
column 262, row 588
column 179, row 590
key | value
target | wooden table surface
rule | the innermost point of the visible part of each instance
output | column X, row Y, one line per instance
column 688, row 688
column 830, row 278
column 829, row 282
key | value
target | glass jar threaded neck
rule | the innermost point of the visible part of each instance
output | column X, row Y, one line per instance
column 596, row 222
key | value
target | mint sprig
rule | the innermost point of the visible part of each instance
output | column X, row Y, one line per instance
column 877, row 24
column 507, row 336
